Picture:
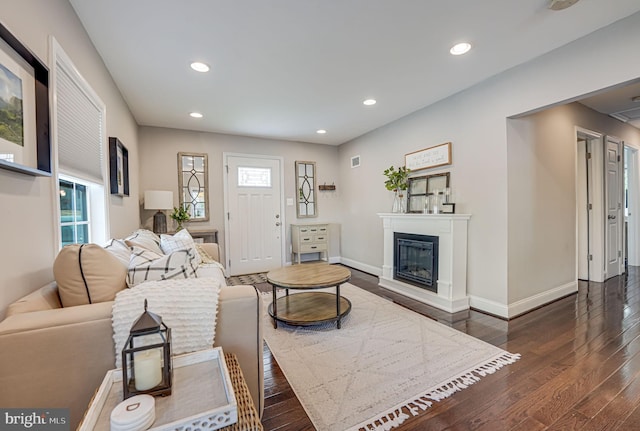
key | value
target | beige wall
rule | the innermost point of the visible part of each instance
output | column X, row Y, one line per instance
column 475, row 121
column 542, row 194
column 159, row 148
column 27, row 224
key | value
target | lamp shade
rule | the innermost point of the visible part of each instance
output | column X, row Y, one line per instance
column 158, row 200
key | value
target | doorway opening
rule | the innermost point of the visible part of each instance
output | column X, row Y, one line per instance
column 603, row 180
column 589, row 210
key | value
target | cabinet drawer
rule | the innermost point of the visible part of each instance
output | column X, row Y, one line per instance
column 310, row 248
column 320, row 239
column 306, row 239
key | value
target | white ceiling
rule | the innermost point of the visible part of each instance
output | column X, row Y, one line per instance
column 617, row 103
column 284, row 68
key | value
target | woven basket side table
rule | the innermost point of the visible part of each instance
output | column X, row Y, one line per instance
column 248, row 419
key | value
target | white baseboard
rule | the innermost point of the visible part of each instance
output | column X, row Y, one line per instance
column 425, row 296
column 489, row 306
column 520, row 307
column 361, row 266
column 527, row 304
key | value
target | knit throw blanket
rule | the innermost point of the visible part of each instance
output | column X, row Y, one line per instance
column 187, row 306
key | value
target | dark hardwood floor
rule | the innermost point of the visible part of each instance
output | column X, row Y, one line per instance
column 580, row 366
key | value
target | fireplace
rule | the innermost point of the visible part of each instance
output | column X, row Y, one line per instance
column 415, row 260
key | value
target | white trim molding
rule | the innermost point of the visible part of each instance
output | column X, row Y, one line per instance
column 524, row 305
column 520, row 307
column 370, row 269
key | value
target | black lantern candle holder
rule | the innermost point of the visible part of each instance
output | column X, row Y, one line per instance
column 146, row 357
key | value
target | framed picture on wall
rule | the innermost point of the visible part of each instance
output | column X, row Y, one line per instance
column 24, row 109
column 118, row 168
column 432, row 157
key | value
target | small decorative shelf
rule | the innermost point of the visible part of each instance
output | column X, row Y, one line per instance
column 325, row 187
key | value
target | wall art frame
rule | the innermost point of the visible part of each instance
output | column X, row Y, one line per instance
column 30, row 154
column 306, row 184
column 420, row 188
column 432, row 157
column 118, row 168
column 193, row 185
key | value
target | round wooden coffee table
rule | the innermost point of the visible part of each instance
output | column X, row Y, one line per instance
column 309, row 308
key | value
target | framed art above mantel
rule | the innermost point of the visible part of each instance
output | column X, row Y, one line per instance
column 431, row 157
column 25, row 144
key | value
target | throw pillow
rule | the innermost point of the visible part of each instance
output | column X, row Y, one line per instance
column 145, row 239
column 146, row 265
column 180, row 241
column 87, row 274
column 120, row 250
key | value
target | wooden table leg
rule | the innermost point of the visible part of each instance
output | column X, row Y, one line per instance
column 275, row 307
column 338, row 305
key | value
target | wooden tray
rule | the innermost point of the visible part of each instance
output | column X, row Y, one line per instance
column 202, row 396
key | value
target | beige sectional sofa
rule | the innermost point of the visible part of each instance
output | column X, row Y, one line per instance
column 55, row 357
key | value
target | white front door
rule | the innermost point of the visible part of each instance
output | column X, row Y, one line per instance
column 253, row 215
column 613, row 199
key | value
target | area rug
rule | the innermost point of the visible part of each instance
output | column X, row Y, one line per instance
column 385, row 364
column 247, row 279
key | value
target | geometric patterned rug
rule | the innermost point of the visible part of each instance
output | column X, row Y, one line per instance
column 247, row 279
column 385, row 364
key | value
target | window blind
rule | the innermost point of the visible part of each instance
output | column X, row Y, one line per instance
column 80, row 126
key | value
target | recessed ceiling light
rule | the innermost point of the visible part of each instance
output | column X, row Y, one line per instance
column 200, row 67
column 369, row 102
column 321, row 131
column 196, row 115
column 460, row 48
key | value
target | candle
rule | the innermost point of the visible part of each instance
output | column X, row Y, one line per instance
column 147, row 369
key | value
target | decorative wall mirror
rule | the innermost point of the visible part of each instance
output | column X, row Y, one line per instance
column 421, row 187
column 193, row 185
column 306, row 184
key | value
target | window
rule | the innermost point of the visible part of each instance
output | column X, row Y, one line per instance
column 74, row 213
column 79, row 147
column 249, row 176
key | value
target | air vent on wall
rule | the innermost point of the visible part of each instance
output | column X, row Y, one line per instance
column 561, row 4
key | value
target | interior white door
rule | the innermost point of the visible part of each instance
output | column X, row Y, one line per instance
column 613, row 199
column 584, row 208
column 254, row 221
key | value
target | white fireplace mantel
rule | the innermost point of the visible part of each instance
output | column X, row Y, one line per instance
column 451, row 230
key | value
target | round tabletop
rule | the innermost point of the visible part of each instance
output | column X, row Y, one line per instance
column 309, row 276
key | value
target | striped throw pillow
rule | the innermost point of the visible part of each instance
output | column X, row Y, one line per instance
column 146, row 265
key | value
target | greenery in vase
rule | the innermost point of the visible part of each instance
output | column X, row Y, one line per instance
column 397, row 180
column 180, row 215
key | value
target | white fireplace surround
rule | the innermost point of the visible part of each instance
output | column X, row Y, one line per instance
column 451, row 230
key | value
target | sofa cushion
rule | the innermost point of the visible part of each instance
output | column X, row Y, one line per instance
column 180, row 241
column 120, row 251
column 146, row 265
column 146, row 239
column 87, row 274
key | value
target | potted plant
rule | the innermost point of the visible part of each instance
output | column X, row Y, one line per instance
column 397, row 181
column 180, row 215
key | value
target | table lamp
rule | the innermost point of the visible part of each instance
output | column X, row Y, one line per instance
column 158, row 200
